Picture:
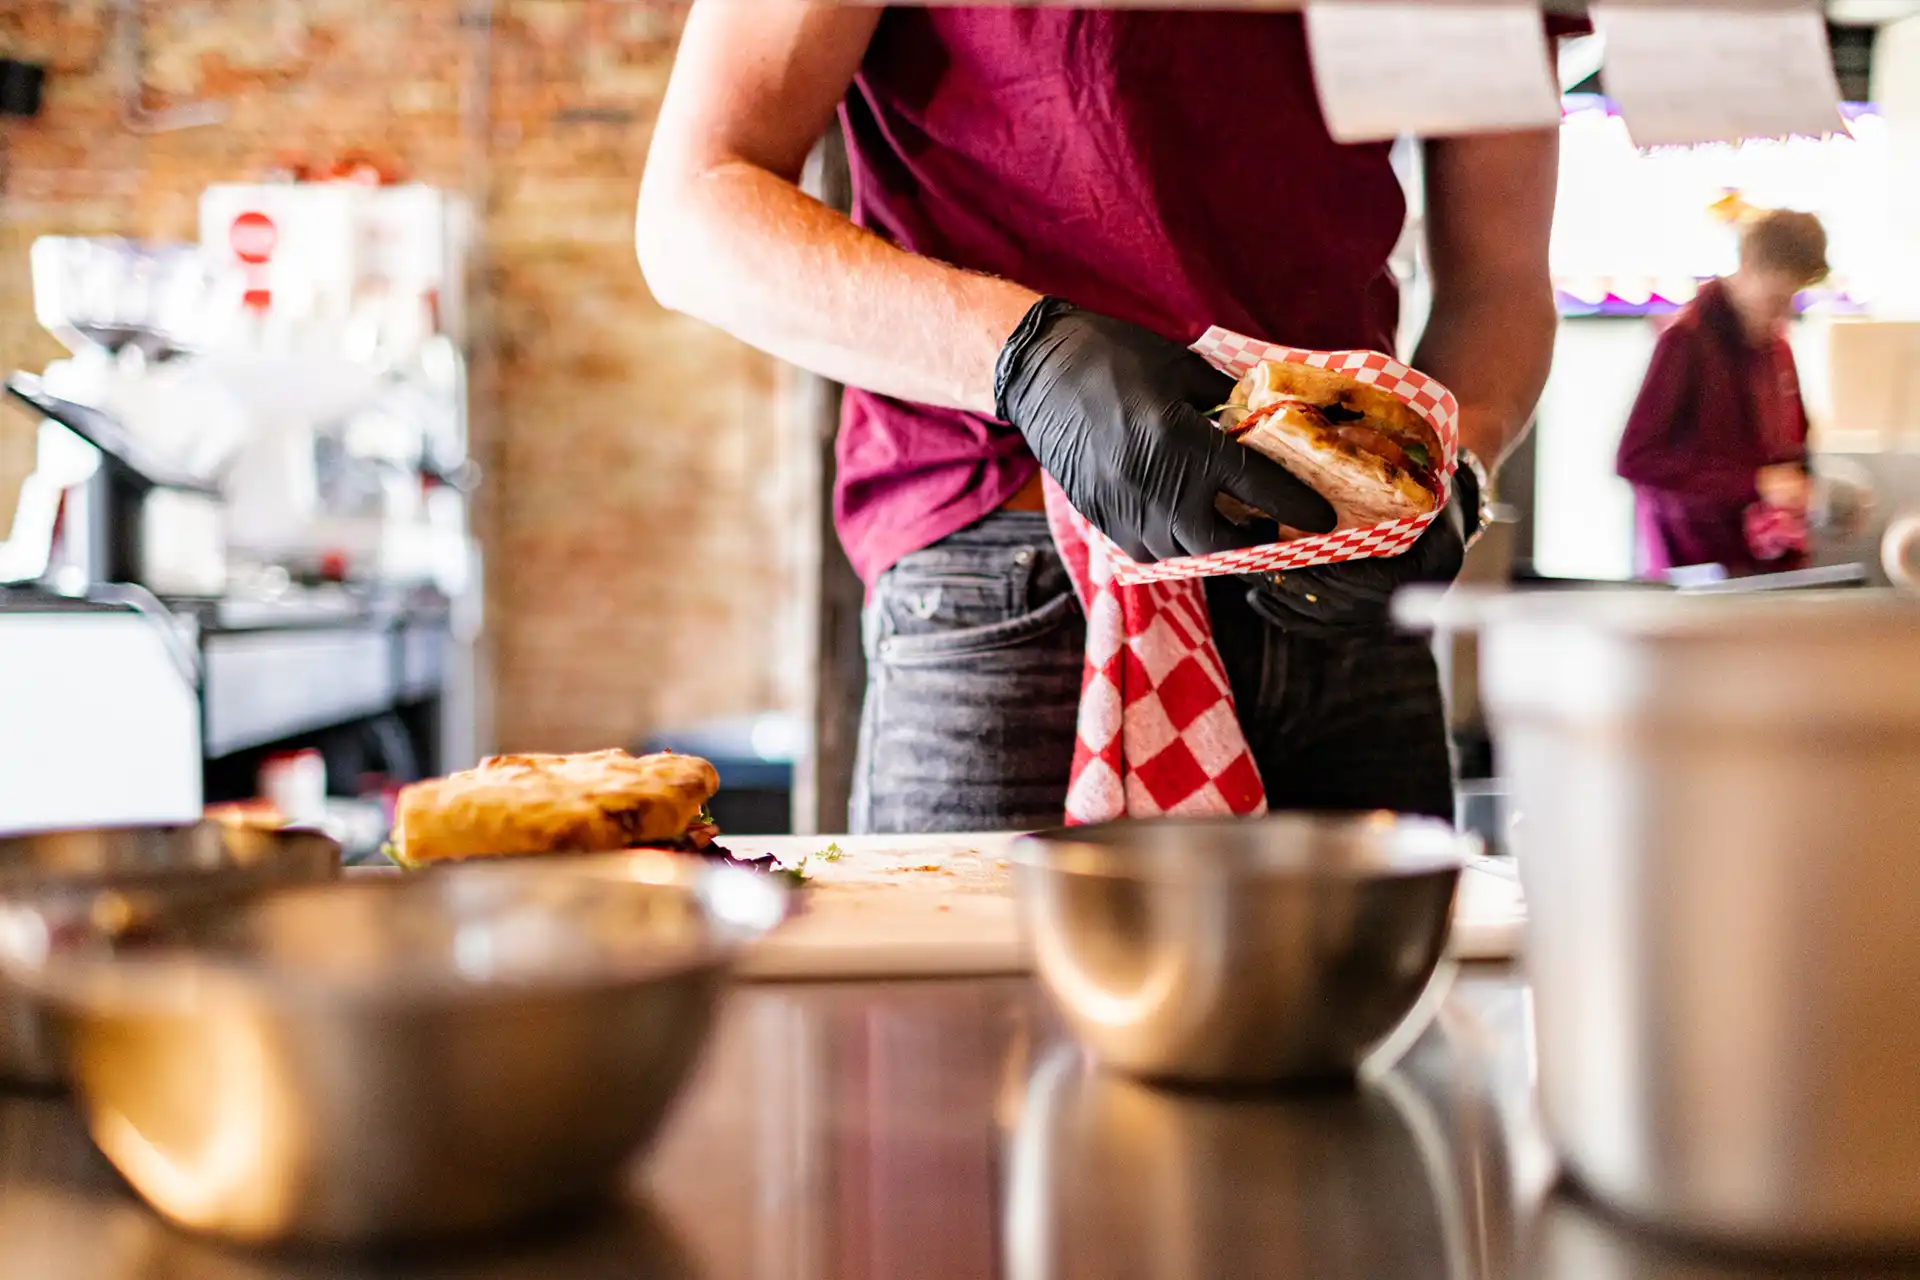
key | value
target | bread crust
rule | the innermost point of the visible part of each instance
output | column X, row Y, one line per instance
column 594, row 802
column 1273, row 411
column 1272, row 380
column 1362, row 487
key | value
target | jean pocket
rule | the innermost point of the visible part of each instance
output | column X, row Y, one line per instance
column 945, row 588
column 1026, row 631
column 918, row 601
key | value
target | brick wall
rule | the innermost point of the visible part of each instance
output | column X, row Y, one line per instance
column 637, row 572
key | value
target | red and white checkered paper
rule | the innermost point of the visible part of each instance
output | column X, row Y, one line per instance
column 1158, row 734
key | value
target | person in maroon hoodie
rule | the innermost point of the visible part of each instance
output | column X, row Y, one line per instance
column 1049, row 205
column 1716, row 445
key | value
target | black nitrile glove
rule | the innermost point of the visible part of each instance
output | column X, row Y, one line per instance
column 1117, row 415
column 1355, row 594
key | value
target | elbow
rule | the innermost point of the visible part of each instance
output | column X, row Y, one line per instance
column 1539, row 312
column 657, row 221
column 1546, row 315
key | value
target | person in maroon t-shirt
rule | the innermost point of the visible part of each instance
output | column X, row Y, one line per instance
column 1717, row 440
column 1049, row 205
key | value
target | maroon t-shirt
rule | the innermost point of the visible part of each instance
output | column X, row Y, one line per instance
column 1714, row 409
column 1171, row 169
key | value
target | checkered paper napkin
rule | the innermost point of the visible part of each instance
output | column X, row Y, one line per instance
column 1157, row 731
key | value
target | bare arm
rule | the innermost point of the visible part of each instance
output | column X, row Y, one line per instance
column 1490, row 334
column 725, row 234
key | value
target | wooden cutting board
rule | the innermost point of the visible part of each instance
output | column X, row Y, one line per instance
column 926, row 906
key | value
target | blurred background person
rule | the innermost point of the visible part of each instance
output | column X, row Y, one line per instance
column 1716, row 445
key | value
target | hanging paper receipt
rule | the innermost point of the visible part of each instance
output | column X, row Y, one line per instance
column 1683, row 74
column 1387, row 67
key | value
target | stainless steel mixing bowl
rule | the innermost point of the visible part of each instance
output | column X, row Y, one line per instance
column 391, row 1057
column 1239, row 952
column 162, row 863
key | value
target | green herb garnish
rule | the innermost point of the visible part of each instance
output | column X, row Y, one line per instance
column 796, row 873
column 832, row 853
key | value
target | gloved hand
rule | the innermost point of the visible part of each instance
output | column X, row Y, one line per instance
column 1117, row 416
column 1355, row 594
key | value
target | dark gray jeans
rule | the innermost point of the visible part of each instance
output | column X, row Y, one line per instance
column 974, row 653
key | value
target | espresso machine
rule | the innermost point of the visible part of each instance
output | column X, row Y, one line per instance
column 251, row 474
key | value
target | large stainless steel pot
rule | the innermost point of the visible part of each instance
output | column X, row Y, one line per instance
column 1719, row 838
column 175, row 864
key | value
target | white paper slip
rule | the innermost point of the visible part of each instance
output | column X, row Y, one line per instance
column 1386, row 67
column 1683, row 74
